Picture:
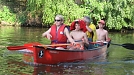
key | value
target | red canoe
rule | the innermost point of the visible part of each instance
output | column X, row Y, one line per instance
column 40, row 55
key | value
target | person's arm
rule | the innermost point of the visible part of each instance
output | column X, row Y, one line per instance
column 107, row 36
column 86, row 39
column 47, row 34
column 88, row 28
column 68, row 36
column 71, row 34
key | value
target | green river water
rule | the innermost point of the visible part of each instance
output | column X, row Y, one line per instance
column 118, row 60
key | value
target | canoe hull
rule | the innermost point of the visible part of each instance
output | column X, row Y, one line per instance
column 52, row 56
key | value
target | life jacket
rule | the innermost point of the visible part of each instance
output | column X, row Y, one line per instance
column 58, row 36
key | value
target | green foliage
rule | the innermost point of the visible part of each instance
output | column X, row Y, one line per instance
column 22, row 17
column 117, row 13
column 6, row 15
column 50, row 8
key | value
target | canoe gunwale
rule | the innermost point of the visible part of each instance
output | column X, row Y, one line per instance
column 66, row 50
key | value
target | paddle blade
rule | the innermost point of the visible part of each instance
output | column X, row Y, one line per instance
column 16, row 47
column 128, row 46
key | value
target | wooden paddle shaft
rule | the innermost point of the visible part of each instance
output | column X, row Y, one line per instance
column 56, row 45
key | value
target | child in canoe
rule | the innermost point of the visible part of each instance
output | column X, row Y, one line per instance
column 78, row 35
column 102, row 34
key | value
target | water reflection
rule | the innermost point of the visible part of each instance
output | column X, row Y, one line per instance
column 68, row 70
column 61, row 69
column 73, row 68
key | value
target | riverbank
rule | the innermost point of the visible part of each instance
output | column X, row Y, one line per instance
column 4, row 23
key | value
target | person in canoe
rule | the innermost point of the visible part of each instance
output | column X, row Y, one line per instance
column 58, row 33
column 91, row 29
column 102, row 34
column 78, row 35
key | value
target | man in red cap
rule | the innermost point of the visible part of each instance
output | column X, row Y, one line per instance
column 102, row 34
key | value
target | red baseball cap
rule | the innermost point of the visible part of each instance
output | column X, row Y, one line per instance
column 102, row 22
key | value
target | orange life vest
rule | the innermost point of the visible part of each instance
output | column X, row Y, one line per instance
column 58, row 36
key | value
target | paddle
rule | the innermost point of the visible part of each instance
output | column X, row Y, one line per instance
column 125, row 45
column 17, row 47
column 25, row 47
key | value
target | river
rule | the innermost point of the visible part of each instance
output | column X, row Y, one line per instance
column 118, row 60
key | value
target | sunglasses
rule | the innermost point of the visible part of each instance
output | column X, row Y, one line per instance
column 57, row 20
